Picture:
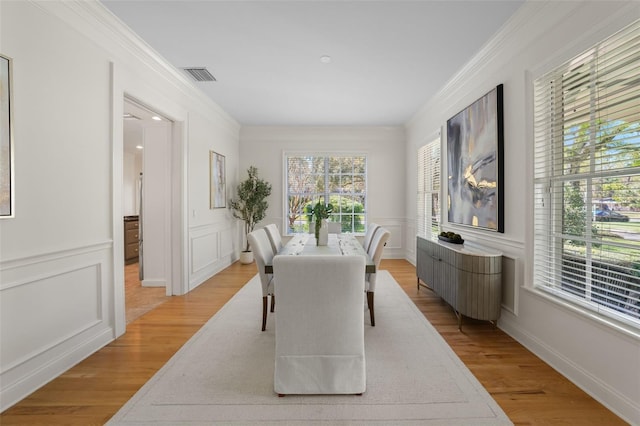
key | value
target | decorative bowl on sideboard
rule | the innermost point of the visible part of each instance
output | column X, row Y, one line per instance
column 450, row 240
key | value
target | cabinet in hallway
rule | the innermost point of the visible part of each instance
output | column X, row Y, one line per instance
column 131, row 234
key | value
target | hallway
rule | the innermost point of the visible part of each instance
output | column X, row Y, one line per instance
column 140, row 300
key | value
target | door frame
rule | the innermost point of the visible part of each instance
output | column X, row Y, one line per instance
column 177, row 194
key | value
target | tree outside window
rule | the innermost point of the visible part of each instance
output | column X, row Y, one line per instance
column 587, row 179
column 337, row 179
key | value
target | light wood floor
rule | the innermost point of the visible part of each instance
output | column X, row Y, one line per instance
column 528, row 390
column 140, row 300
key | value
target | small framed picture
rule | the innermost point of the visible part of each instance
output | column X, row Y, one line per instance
column 7, row 203
column 217, row 181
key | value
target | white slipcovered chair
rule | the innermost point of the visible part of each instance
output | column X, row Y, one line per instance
column 379, row 240
column 319, row 327
column 263, row 253
column 274, row 237
column 368, row 236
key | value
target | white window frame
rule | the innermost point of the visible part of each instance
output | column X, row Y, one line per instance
column 429, row 171
column 558, row 273
column 326, row 194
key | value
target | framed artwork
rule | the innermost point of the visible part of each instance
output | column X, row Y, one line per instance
column 6, row 140
column 475, row 149
column 217, row 181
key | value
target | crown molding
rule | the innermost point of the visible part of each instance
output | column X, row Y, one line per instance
column 528, row 24
column 93, row 20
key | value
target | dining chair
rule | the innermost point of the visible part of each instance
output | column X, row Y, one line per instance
column 319, row 327
column 263, row 253
column 274, row 237
column 368, row 236
column 379, row 240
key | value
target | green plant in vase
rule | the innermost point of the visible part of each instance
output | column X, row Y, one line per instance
column 320, row 211
column 251, row 203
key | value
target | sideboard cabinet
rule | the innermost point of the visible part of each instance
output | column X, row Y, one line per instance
column 131, row 232
column 467, row 277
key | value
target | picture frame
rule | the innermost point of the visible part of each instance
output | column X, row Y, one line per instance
column 475, row 151
column 7, row 198
column 217, row 181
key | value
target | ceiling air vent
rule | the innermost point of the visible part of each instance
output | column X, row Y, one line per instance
column 200, row 74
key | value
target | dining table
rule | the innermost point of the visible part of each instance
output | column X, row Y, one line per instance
column 338, row 245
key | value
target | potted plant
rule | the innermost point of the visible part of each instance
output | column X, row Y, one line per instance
column 321, row 213
column 250, row 206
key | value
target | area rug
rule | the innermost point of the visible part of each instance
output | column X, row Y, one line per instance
column 224, row 375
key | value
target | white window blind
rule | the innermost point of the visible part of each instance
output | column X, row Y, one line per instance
column 428, row 197
column 339, row 179
column 587, row 179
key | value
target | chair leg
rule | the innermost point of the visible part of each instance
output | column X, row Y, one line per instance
column 273, row 302
column 264, row 313
column 370, row 305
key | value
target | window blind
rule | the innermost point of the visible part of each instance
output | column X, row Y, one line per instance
column 587, row 179
column 428, row 197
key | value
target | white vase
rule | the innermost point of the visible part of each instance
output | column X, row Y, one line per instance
column 323, row 235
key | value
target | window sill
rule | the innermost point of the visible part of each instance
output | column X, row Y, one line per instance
column 622, row 327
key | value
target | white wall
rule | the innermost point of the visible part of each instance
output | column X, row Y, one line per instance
column 156, row 205
column 213, row 242
column 130, row 176
column 264, row 148
column 61, row 284
column 61, row 257
column 599, row 358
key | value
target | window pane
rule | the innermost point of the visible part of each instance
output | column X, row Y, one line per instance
column 358, row 184
column 334, row 164
column 428, row 204
column 330, row 179
column 587, row 179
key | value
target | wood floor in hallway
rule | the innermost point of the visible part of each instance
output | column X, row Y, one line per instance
column 528, row 390
column 138, row 299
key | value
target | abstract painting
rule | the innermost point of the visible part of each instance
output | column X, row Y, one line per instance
column 475, row 145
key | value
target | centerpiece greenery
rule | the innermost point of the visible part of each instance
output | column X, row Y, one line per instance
column 320, row 211
column 251, row 203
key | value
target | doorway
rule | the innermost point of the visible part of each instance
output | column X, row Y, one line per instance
column 146, row 189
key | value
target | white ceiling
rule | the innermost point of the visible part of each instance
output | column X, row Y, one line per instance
column 388, row 57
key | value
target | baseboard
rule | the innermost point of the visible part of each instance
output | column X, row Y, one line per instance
column 626, row 409
column 154, row 283
column 204, row 274
column 36, row 378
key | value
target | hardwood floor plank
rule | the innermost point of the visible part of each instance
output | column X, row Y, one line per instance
column 527, row 389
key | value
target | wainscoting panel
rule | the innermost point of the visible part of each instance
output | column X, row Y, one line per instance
column 38, row 325
column 55, row 310
column 410, row 242
column 226, row 242
column 395, row 248
column 211, row 249
column 204, row 250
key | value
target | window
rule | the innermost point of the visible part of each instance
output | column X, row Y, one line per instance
column 338, row 179
column 587, row 179
column 428, row 213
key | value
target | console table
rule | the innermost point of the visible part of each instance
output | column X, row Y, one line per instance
column 467, row 277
